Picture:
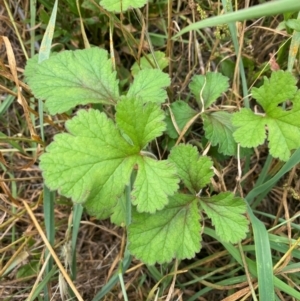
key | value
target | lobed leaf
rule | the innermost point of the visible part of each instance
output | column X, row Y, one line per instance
column 72, row 78
column 195, row 171
column 219, row 131
column 155, row 181
column 279, row 88
column 250, row 130
column 283, row 125
column 171, row 232
column 148, row 86
column 227, row 214
column 91, row 163
column 141, row 123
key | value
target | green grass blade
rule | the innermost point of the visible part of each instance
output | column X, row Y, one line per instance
column 121, row 279
column 262, row 10
column 50, row 228
column 77, row 213
column 45, row 49
column 229, row 281
column 5, row 104
column 264, row 173
column 286, row 288
column 263, row 258
column 11, row 141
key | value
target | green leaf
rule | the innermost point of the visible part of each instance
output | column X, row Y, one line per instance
column 118, row 216
column 283, row 125
column 72, row 78
column 171, row 232
column 155, row 181
column 219, row 131
column 160, row 62
column 148, row 86
column 93, row 162
column 148, row 117
column 251, row 135
column 227, row 214
column 195, row 171
column 276, row 90
column 182, row 113
column 121, row 5
column 293, row 24
column 207, row 88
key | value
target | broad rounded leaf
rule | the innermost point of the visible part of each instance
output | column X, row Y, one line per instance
column 173, row 232
column 72, row 78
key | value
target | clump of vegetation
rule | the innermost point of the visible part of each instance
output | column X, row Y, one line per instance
column 153, row 155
